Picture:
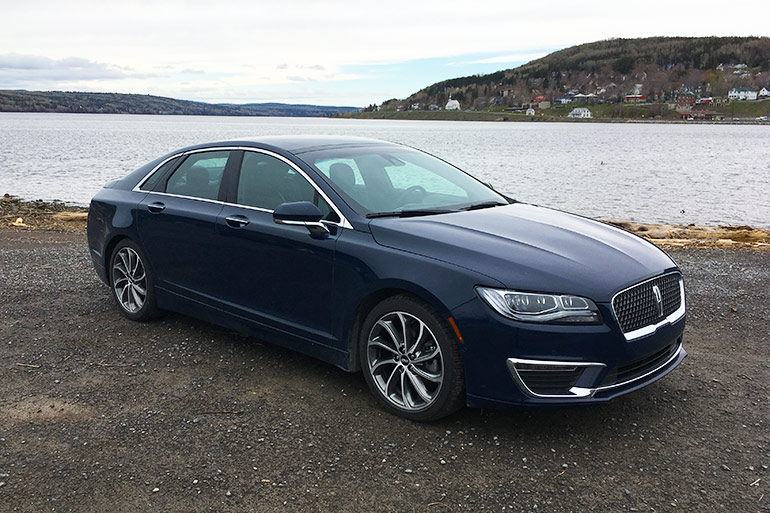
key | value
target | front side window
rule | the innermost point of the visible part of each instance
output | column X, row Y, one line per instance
column 266, row 182
column 199, row 176
column 385, row 179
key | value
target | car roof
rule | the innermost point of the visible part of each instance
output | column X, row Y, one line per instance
column 297, row 144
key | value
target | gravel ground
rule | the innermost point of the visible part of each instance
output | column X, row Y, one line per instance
column 101, row 414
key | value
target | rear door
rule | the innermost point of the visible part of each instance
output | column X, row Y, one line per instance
column 177, row 225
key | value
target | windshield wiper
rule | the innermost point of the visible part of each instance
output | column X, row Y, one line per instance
column 409, row 213
column 486, row 204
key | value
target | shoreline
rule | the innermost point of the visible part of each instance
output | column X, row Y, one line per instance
column 59, row 216
column 508, row 117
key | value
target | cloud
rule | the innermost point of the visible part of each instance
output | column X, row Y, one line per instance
column 20, row 69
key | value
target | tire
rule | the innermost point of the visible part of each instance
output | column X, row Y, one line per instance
column 422, row 382
column 131, row 282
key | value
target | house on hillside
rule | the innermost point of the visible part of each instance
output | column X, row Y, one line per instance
column 741, row 94
column 563, row 100
column 539, row 99
column 452, row 105
column 764, row 93
column 635, row 98
column 530, row 111
column 415, row 106
column 584, row 98
column 580, row 113
column 685, row 101
column 433, row 106
column 704, row 101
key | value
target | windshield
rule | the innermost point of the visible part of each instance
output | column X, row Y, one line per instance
column 393, row 179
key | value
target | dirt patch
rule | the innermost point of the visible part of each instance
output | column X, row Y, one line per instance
column 41, row 215
column 43, row 408
column 671, row 235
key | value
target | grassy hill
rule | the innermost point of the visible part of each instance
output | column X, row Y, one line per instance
column 655, row 67
column 117, row 103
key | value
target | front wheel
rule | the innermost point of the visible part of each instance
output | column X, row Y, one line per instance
column 131, row 282
column 411, row 361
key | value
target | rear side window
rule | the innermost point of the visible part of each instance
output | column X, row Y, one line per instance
column 199, row 176
column 149, row 184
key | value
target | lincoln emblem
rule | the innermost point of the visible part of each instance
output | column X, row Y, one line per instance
column 658, row 299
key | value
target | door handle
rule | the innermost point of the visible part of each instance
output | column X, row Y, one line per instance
column 156, row 207
column 237, row 221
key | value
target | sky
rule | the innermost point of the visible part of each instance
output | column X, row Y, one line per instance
column 332, row 52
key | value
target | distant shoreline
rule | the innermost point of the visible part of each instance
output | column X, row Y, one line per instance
column 59, row 216
column 507, row 117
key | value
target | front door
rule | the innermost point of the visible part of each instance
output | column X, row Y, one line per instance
column 277, row 275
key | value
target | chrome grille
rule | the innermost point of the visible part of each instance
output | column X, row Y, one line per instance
column 637, row 306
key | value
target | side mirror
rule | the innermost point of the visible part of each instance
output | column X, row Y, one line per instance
column 300, row 213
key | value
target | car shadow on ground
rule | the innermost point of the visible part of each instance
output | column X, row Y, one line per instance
column 319, row 382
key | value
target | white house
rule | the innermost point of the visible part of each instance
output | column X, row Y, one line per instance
column 744, row 93
column 764, row 93
column 580, row 112
column 452, row 105
column 530, row 111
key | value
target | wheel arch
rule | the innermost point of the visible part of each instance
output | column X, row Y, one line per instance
column 374, row 297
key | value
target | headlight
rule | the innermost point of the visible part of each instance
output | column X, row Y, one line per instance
column 532, row 307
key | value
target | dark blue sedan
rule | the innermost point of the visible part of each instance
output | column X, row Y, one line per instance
column 377, row 257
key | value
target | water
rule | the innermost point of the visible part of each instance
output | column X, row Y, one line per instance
column 702, row 174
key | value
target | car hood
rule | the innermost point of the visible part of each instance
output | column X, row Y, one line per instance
column 530, row 248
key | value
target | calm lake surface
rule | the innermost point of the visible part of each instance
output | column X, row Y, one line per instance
column 703, row 174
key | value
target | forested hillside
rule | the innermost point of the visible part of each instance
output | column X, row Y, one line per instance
column 116, row 103
column 655, row 67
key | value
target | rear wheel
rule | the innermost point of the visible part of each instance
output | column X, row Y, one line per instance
column 131, row 282
column 411, row 361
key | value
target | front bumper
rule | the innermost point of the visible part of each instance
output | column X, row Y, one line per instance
column 514, row 363
column 544, row 379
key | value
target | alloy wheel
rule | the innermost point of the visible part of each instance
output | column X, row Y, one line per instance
column 405, row 361
column 129, row 280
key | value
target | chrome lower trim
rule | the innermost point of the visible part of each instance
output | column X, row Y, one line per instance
column 574, row 391
column 673, row 357
column 578, row 392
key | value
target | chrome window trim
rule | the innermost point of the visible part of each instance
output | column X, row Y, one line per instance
column 579, row 392
column 342, row 223
column 652, row 328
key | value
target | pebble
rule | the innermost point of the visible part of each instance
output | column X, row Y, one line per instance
column 155, row 490
column 228, row 493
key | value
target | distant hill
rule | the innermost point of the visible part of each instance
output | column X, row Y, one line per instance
column 654, row 67
column 117, row 103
